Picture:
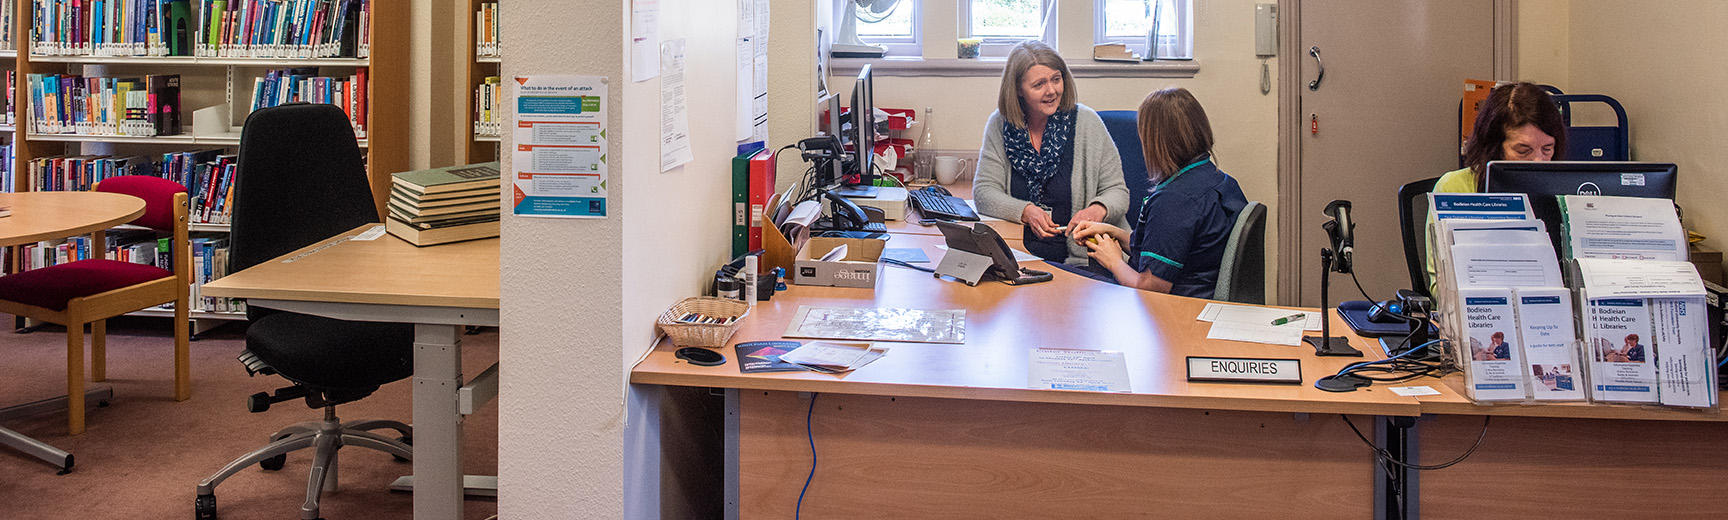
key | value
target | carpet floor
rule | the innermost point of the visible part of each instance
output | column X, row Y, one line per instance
column 143, row 455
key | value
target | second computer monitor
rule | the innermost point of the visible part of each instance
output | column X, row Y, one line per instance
column 864, row 126
column 1545, row 181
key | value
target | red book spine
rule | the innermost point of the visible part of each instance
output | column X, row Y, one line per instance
column 360, row 90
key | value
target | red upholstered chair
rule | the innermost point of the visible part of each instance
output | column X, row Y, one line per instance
column 91, row 291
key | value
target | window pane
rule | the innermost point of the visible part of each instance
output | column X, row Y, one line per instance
column 1006, row 18
column 1130, row 18
column 897, row 22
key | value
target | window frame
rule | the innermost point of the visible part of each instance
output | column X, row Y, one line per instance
column 1184, row 45
column 997, row 47
column 897, row 46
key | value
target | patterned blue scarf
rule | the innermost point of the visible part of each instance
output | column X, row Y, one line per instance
column 1038, row 166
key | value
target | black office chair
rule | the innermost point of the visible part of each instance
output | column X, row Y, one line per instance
column 1413, row 223
column 301, row 180
column 1125, row 132
column 1242, row 273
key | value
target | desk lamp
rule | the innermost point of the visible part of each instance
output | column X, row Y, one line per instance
column 1341, row 230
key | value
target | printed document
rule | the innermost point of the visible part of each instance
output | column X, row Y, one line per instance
column 1639, row 278
column 1629, row 228
column 1088, row 370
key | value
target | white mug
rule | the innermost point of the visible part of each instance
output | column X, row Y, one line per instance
column 948, row 169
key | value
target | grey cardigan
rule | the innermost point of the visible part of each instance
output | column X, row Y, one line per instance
column 1097, row 176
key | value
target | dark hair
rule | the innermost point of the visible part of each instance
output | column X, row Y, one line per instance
column 1510, row 106
column 1173, row 131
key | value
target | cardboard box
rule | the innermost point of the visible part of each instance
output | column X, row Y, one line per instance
column 863, row 260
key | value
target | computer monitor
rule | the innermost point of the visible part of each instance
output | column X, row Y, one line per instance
column 1545, row 181
column 864, row 126
column 828, row 111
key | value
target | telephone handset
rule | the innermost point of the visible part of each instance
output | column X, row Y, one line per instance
column 845, row 215
column 980, row 239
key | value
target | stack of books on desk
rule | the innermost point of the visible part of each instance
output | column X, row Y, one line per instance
column 442, row 205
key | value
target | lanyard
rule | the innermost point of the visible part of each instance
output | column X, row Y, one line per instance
column 1182, row 171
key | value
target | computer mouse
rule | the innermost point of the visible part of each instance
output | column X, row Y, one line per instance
column 937, row 189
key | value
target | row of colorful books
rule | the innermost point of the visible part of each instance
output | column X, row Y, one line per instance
column 7, row 180
column 282, row 86
column 8, row 16
column 486, row 30
column 209, row 260
column 209, row 28
column 487, row 120
column 207, row 174
column 73, row 104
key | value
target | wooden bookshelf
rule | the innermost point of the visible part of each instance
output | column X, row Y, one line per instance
column 385, row 144
column 480, row 148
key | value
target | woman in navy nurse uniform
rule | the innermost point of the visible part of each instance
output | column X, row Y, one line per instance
column 1179, row 236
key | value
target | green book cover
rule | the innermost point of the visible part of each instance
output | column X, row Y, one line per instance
column 741, row 203
column 449, row 178
column 215, row 14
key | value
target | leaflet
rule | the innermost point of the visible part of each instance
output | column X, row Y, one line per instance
column 1491, row 338
column 1505, row 265
column 1683, row 355
column 1630, row 228
column 1481, row 206
column 1606, row 278
column 1617, row 334
column 1546, row 331
column 1072, row 369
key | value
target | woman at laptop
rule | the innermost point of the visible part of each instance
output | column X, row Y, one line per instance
column 1047, row 161
column 1518, row 122
column 1179, row 236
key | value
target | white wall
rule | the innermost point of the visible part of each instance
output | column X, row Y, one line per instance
column 560, row 401
column 1662, row 61
column 580, row 296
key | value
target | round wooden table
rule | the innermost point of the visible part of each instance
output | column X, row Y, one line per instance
column 47, row 215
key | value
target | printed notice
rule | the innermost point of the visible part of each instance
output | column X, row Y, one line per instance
column 644, row 39
column 674, row 116
column 1086, row 370
column 559, row 165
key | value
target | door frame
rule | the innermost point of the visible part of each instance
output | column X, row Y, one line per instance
column 1291, row 54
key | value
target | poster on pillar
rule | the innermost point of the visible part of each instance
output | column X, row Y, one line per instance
column 558, row 168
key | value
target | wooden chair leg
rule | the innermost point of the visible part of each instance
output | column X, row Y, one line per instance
column 99, row 350
column 75, row 379
column 182, row 351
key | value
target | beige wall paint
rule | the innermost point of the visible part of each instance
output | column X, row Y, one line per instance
column 433, row 37
column 560, row 404
column 1543, row 40
column 1662, row 61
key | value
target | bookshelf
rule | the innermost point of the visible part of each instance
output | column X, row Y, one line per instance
column 485, row 59
column 208, row 79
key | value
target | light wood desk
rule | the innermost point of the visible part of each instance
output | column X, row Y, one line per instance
column 935, row 430
column 439, row 289
column 49, row 215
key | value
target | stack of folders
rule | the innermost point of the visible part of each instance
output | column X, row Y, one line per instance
column 1643, row 315
column 449, row 204
column 834, row 357
column 1502, row 301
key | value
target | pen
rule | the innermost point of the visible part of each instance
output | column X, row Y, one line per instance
column 1288, row 319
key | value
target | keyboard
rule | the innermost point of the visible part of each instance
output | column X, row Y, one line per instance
column 933, row 205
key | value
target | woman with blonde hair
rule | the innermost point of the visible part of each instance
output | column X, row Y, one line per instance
column 1179, row 236
column 1047, row 161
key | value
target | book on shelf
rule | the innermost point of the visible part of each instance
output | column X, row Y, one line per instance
column 409, row 198
column 282, row 86
column 119, row 106
column 209, row 255
column 487, row 204
column 420, row 236
column 487, row 121
column 405, row 216
column 486, row 30
column 206, row 28
column 208, row 176
column 442, row 205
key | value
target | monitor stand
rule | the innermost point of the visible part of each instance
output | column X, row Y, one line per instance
column 857, row 191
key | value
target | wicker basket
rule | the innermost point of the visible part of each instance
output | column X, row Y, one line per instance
column 703, row 334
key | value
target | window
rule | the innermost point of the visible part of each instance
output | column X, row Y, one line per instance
column 1128, row 21
column 1003, row 23
column 893, row 25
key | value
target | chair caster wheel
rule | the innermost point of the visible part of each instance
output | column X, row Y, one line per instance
column 204, row 508
column 406, row 439
column 274, row 463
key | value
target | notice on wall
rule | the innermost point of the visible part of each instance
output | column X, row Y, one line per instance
column 674, row 115
column 559, row 165
column 752, row 66
column 644, row 39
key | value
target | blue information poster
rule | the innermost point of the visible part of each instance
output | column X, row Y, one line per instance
column 559, row 164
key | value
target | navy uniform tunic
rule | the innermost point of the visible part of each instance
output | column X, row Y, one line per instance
column 1180, row 233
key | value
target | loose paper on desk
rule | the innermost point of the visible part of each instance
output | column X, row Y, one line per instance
column 834, row 357
column 1414, row 391
column 1639, row 278
column 1630, row 228
column 879, row 324
column 370, row 234
column 559, row 164
column 1074, row 369
column 1254, row 314
column 644, row 39
column 674, row 115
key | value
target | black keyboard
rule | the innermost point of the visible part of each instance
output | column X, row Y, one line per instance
column 933, row 205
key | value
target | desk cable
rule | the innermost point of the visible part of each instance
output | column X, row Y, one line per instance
column 810, row 435
column 903, row 263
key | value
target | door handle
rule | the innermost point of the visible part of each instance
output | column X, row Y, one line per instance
column 1315, row 52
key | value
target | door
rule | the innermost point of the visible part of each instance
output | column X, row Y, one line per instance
column 1386, row 113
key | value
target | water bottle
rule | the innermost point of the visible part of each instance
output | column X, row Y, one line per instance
column 924, row 162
